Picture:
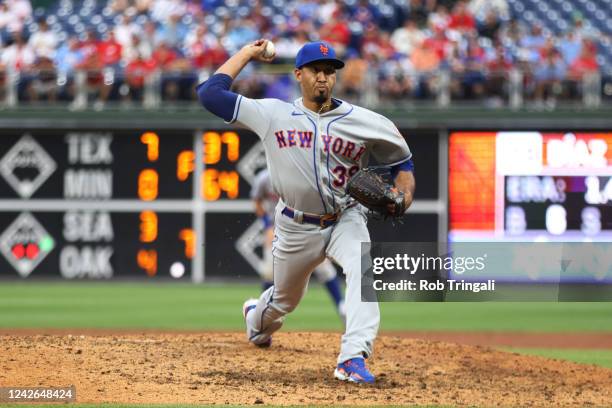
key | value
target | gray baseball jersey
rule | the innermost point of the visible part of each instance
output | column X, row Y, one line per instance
column 311, row 156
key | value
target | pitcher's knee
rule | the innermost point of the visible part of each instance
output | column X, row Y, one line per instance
column 284, row 306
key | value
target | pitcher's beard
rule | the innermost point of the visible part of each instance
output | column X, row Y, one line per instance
column 320, row 97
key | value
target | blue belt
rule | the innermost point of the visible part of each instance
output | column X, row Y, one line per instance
column 323, row 221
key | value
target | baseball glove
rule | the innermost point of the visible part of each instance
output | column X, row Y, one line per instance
column 369, row 189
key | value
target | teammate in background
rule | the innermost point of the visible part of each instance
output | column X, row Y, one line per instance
column 265, row 200
column 313, row 146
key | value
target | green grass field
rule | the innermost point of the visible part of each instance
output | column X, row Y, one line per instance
column 171, row 306
column 218, row 307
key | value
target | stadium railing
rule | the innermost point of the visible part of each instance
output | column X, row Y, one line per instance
column 107, row 87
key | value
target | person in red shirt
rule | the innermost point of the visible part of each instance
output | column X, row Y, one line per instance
column 176, row 71
column 93, row 66
column 137, row 72
column 377, row 42
column 91, row 43
column 498, row 69
column 586, row 63
column 461, row 19
column 439, row 43
column 337, row 33
column 110, row 50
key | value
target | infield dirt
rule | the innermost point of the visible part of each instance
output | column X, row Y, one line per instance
column 223, row 368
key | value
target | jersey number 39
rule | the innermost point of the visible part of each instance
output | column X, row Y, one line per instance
column 341, row 172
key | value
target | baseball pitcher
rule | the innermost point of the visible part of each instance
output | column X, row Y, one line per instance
column 313, row 146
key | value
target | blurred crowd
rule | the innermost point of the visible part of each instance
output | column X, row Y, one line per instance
column 399, row 47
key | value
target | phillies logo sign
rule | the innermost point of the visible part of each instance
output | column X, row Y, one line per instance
column 25, row 243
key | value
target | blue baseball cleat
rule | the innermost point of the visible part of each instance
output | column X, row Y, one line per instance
column 248, row 306
column 354, row 370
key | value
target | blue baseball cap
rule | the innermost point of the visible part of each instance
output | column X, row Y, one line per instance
column 317, row 51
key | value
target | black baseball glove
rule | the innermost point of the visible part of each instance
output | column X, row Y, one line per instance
column 369, row 189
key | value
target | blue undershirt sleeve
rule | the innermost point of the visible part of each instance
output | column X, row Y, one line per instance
column 215, row 96
column 408, row 165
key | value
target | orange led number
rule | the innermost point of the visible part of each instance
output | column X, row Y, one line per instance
column 232, row 141
column 213, row 146
column 215, row 182
column 189, row 237
column 152, row 141
column 148, row 226
column 185, row 164
column 147, row 260
column 229, row 182
column 148, row 184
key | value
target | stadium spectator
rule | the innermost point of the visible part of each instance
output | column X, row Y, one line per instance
column 20, row 10
column 44, row 41
column 68, row 56
column 44, row 80
column 110, row 50
column 137, row 72
column 377, row 42
column 532, row 43
column 95, row 84
column 162, row 9
column 586, row 63
column 418, row 11
column 425, row 61
column 473, row 77
column 173, row 31
column 397, row 77
column 288, row 46
column 257, row 16
column 306, row 9
column 337, row 33
column 489, row 27
column 241, row 31
column 6, row 19
column 570, row 46
column 498, row 69
column 439, row 43
column 136, row 48
column 91, row 44
column 364, row 13
column 498, row 8
column 548, row 75
column 205, row 53
column 440, row 18
column 461, row 19
column 125, row 29
column 405, row 38
column 174, row 69
column 353, row 75
column 327, row 9
column 18, row 56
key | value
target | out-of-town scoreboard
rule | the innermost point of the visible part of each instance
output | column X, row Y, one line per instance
column 118, row 203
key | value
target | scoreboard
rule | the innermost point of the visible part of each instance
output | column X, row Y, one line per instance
column 530, row 186
column 102, row 204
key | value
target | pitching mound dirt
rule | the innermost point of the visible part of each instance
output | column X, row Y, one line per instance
column 222, row 368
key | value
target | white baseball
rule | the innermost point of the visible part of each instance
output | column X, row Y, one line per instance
column 270, row 50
